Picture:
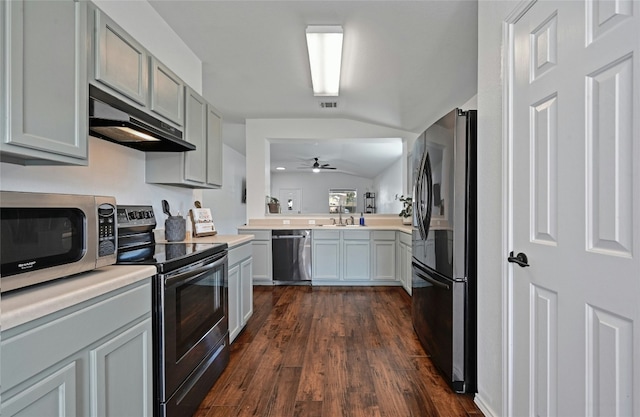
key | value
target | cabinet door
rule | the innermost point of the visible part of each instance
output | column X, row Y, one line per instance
column 246, row 290
column 356, row 260
column 384, row 254
column 120, row 374
column 53, row 395
column 167, row 92
column 196, row 132
column 407, row 267
column 120, row 62
column 261, row 260
column 214, row 147
column 326, row 260
column 234, row 301
column 45, row 69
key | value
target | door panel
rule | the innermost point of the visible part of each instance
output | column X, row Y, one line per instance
column 574, row 211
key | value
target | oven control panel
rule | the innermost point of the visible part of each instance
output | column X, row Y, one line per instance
column 134, row 216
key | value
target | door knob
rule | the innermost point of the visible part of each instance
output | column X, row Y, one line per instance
column 520, row 259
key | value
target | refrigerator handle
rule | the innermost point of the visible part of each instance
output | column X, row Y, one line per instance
column 430, row 280
column 419, row 203
column 429, row 176
column 424, row 219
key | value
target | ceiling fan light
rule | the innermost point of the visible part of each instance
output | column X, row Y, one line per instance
column 324, row 45
column 316, row 170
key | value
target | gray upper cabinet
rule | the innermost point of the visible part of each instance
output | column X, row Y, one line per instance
column 166, row 92
column 44, row 64
column 195, row 131
column 214, row 147
column 201, row 168
column 121, row 63
column 123, row 66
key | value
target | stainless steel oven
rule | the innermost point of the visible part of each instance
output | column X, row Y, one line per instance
column 190, row 322
column 193, row 330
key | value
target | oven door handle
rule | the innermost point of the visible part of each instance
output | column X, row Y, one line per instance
column 190, row 275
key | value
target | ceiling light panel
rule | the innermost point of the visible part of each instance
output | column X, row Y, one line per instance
column 324, row 44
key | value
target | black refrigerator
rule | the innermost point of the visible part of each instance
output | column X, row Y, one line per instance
column 444, row 289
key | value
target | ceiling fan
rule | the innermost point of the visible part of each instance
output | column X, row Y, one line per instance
column 317, row 166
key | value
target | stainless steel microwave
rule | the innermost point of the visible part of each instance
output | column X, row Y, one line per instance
column 49, row 236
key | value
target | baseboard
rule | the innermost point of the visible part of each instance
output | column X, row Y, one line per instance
column 482, row 405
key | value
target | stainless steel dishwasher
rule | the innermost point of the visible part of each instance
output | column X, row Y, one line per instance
column 291, row 251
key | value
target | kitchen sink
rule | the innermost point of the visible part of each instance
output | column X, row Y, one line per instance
column 339, row 225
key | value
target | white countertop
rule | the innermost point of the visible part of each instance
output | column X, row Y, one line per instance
column 230, row 240
column 27, row 304
column 22, row 306
column 398, row 228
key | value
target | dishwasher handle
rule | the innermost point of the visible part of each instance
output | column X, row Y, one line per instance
column 289, row 237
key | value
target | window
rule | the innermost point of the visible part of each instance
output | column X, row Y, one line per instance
column 342, row 199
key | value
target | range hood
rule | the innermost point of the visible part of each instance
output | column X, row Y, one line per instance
column 114, row 120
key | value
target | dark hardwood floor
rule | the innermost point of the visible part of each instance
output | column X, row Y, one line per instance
column 331, row 352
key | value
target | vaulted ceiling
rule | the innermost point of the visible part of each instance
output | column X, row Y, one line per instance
column 405, row 63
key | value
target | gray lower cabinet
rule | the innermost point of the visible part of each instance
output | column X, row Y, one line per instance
column 94, row 359
column 352, row 256
column 261, row 255
column 201, row 168
column 403, row 260
column 45, row 88
column 356, row 255
column 240, row 303
column 384, row 255
column 326, row 256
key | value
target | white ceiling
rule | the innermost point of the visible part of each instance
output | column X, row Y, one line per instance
column 405, row 63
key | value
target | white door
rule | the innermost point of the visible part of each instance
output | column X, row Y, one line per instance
column 574, row 135
column 290, row 200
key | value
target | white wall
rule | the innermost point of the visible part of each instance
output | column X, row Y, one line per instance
column 491, row 215
column 226, row 204
column 315, row 188
column 113, row 170
column 387, row 185
column 260, row 131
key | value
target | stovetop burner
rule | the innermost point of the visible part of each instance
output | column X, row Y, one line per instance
column 137, row 246
column 169, row 256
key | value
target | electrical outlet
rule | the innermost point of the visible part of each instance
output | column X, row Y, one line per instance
column 312, row 222
column 286, row 222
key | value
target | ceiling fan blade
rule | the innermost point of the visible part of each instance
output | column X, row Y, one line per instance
column 326, row 167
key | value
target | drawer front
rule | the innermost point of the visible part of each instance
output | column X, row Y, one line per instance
column 326, row 234
column 238, row 253
column 356, row 234
column 258, row 234
column 405, row 238
column 384, row 235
